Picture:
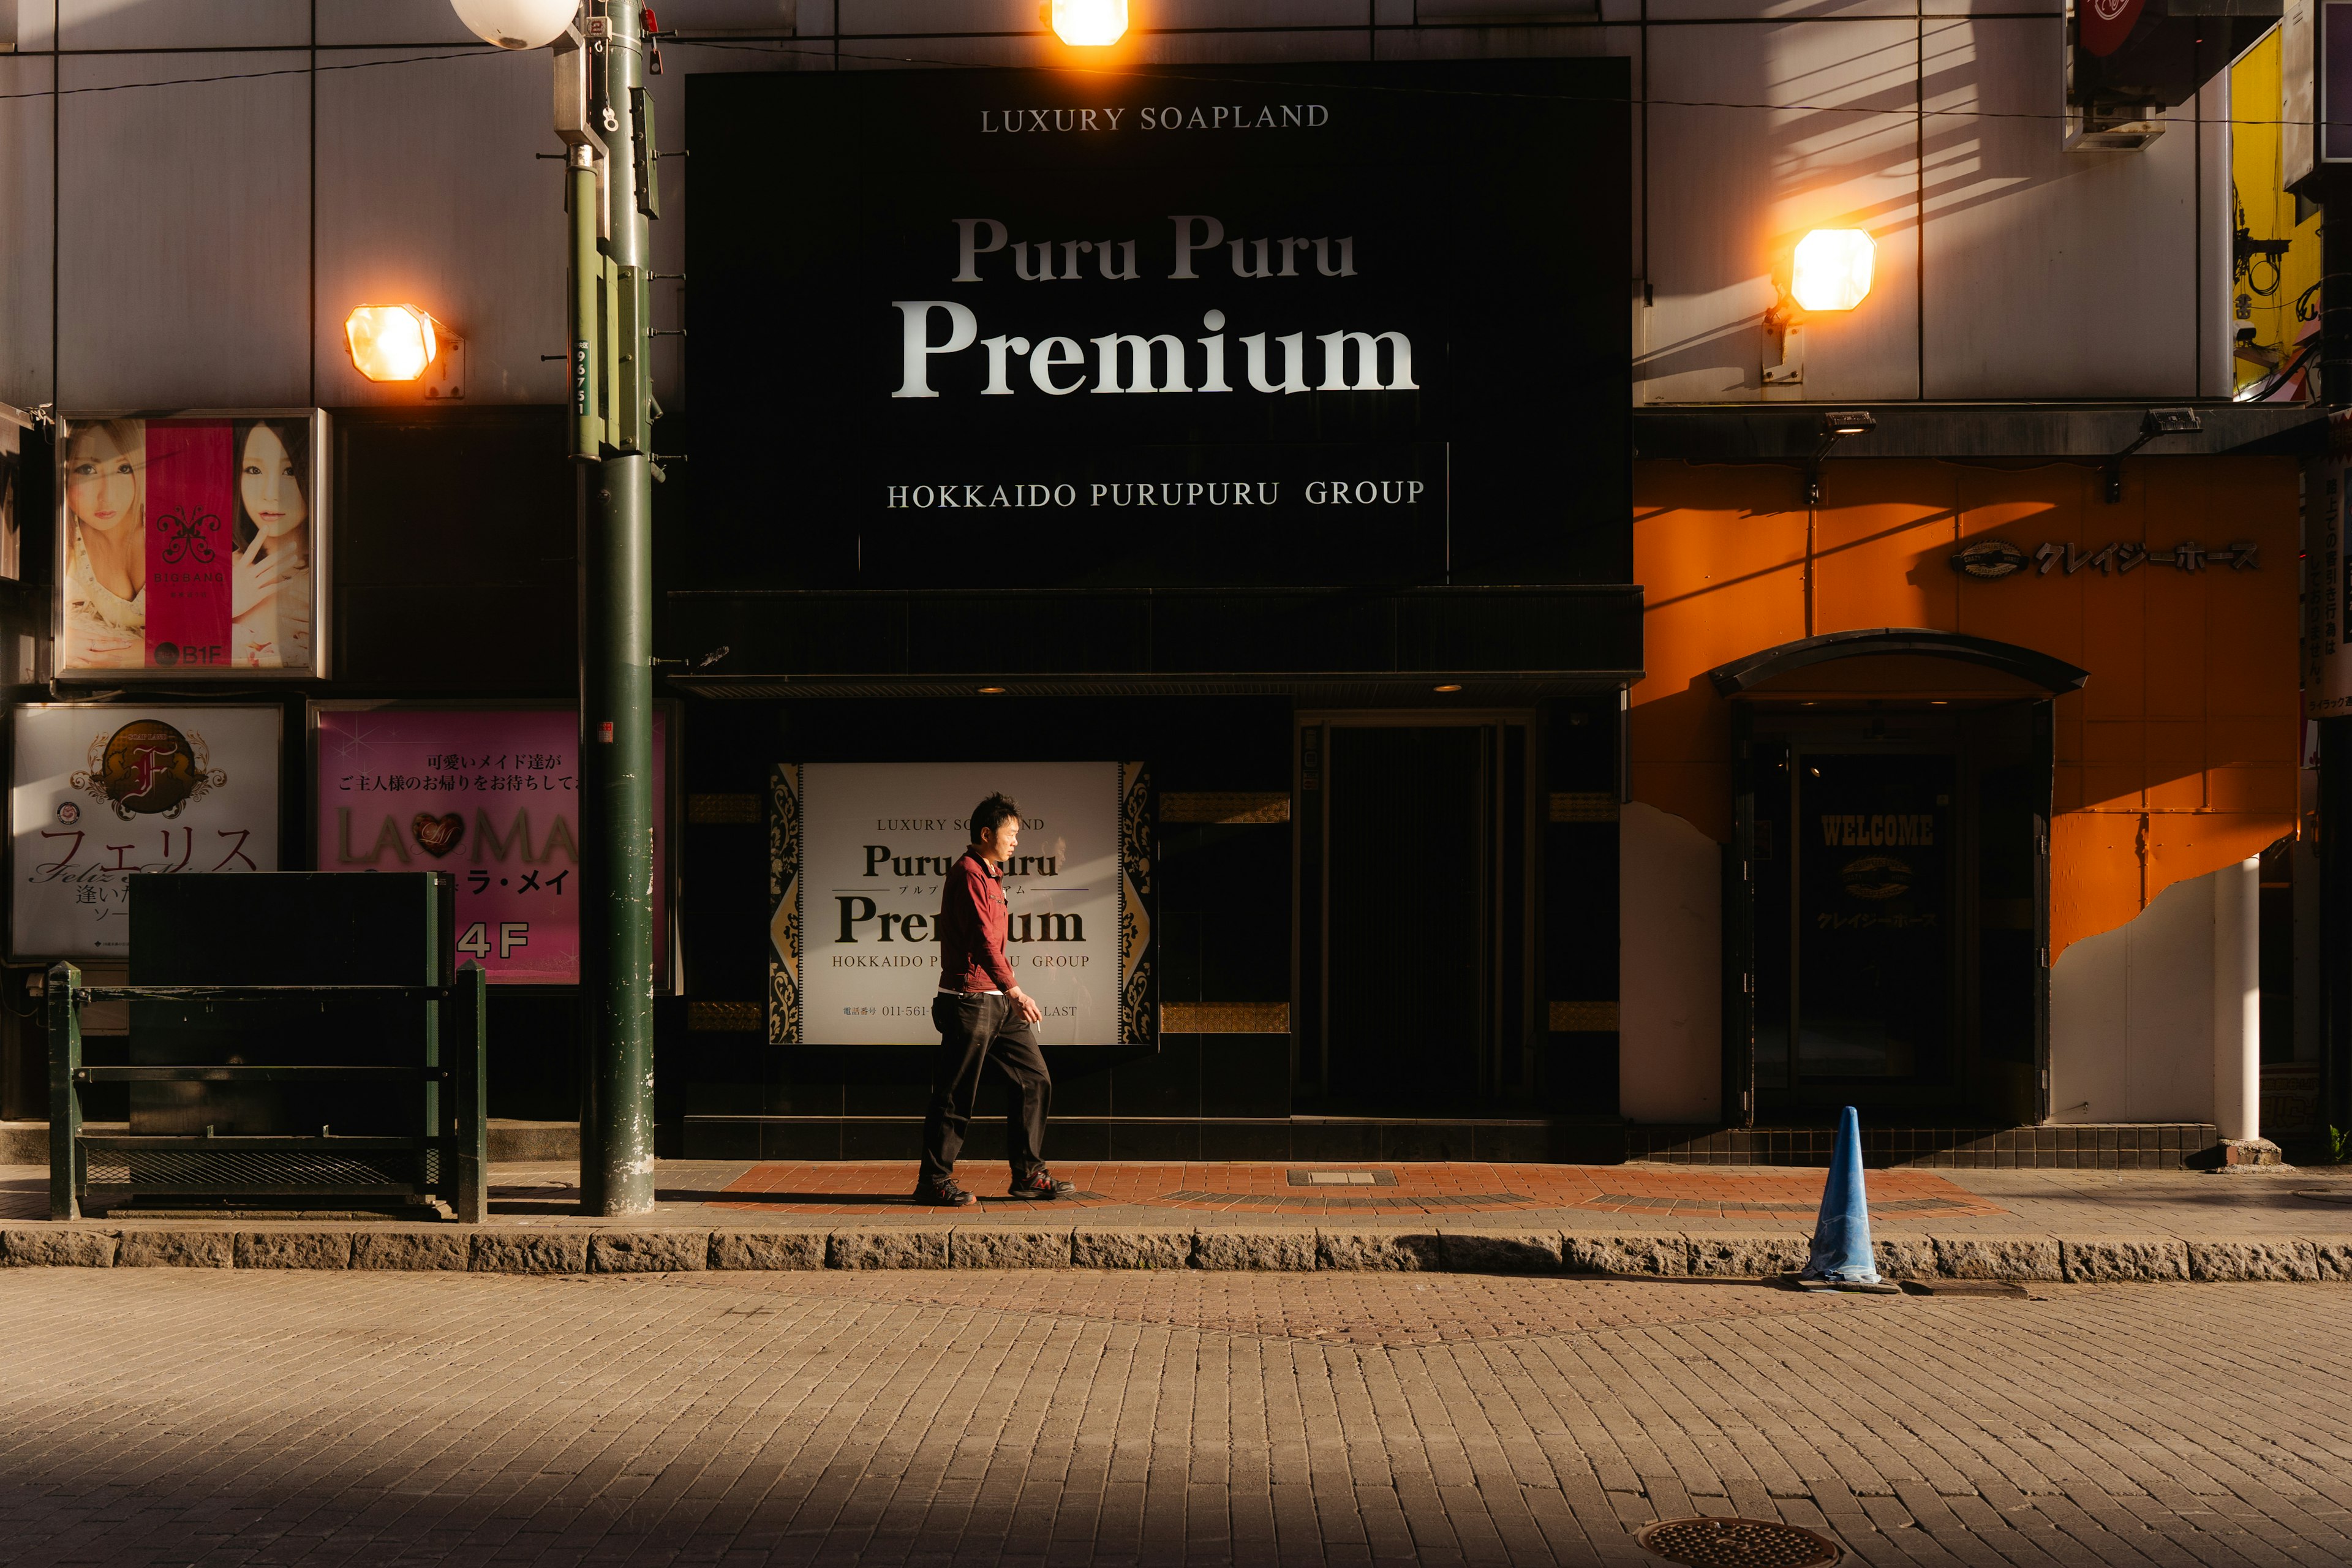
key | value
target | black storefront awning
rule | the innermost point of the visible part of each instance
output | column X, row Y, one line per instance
column 1330, row 644
column 1995, row 432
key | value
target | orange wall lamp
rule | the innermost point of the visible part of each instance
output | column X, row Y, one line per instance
column 1087, row 24
column 1829, row 272
column 403, row 344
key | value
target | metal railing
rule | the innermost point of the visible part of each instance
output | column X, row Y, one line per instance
column 446, row 1159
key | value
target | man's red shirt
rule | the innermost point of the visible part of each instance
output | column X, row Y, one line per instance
column 971, row 928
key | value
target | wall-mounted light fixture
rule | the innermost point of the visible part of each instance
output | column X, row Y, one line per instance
column 401, row 344
column 1830, row 271
column 1836, row 428
column 1088, row 24
column 2155, row 422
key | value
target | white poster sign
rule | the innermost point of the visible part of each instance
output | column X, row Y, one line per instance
column 99, row 793
column 860, row 852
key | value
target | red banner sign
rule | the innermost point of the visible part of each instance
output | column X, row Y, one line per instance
column 190, row 542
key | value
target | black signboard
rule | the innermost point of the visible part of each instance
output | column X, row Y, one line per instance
column 1216, row 325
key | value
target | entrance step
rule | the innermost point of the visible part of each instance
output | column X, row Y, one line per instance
column 2108, row 1146
column 523, row 1141
column 27, row 1143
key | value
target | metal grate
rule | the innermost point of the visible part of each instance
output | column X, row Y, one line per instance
column 257, row 1172
column 1737, row 1543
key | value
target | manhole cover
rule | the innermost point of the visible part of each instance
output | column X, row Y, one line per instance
column 1737, row 1543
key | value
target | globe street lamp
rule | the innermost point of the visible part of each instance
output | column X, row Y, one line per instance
column 604, row 117
column 517, row 24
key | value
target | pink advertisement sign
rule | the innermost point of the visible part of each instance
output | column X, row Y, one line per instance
column 187, row 545
column 491, row 794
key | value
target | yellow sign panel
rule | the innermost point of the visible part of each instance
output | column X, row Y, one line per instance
column 2275, row 244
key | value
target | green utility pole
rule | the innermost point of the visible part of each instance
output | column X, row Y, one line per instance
column 605, row 118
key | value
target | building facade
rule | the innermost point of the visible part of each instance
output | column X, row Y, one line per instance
column 1565, row 699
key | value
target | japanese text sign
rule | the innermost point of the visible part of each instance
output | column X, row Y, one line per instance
column 98, row 793
column 491, row 794
column 2327, row 577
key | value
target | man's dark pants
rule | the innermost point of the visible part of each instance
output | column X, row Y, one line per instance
column 980, row 1033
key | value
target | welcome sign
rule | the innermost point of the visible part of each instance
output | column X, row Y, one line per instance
column 859, row 854
column 1346, row 324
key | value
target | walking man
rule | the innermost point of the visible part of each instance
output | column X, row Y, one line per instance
column 983, row 1018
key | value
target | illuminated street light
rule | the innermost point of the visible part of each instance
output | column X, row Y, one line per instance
column 517, row 24
column 391, row 343
column 1091, row 23
column 1833, row 269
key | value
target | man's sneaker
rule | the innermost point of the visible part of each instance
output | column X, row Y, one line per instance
column 1040, row 1183
column 943, row 1193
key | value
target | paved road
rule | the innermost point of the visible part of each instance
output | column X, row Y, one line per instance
column 157, row 1416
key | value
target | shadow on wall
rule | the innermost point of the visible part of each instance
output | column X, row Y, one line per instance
column 2041, row 268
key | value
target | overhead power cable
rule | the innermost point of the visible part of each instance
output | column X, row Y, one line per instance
column 1179, row 73
column 1154, row 74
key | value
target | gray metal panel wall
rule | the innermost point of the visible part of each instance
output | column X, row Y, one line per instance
column 183, row 242
column 188, row 234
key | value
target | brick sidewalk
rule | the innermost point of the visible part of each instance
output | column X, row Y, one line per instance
column 1630, row 1220
column 221, row 1419
column 834, row 1187
column 1588, row 1198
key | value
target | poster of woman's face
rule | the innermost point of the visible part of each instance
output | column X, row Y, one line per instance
column 191, row 546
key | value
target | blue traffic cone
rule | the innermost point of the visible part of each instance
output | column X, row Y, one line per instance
column 1841, row 1253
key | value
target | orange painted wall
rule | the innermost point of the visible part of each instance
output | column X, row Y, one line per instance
column 2178, row 756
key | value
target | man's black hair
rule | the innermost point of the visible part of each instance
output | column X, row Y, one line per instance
column 992, row 812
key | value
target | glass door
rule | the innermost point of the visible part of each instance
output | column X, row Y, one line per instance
column 1874, row 885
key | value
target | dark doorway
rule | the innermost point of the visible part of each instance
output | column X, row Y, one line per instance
column 1873, row 916
column 1855, row 897
column 1899, row 891
column 1410, row 916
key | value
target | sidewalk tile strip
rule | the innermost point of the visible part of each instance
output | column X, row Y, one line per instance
column 1463, row 1186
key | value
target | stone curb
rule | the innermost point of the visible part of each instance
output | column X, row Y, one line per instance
column 1295, row 1250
